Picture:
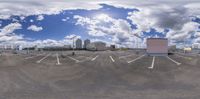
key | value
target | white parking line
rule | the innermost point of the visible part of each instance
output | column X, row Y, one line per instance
column 39, row 61
column 152, row 64
column 34, row 56
column 126, row 56
column 58, row 60
column 136, row 59
column 73, row 59
column 112, row 59
column 95, row 58
column 177, row 63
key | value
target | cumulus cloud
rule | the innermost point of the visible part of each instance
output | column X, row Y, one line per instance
column 40, row 18
column 35, row 28
column 173, row 15
column 177, row 20
column 31, row 20
column 10, row 28
column 189, row 29
column 7, row 33
column 118, row 30
column 50, row 42
column 71, row 36
column 65, row 19
column 47, row 42
column 164, row 18
column 36, row 7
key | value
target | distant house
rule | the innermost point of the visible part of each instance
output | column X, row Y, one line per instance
column 187, row 49
column 157, row 46
column 172, row 48
column 112, row 47
column 67, row 46
column 97, row 46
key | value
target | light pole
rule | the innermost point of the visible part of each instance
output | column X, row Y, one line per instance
column 184, row 46
column 73, row 53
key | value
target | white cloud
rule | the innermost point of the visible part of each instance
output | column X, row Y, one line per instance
column 22, row 17
column 50, row 42
column 49, row 7
column 174, row 15
column 11, row 38
column 7, row 33
column 31, row 20
column 177, row 20
column 10, row 28
column 69, row 39
column 118, row 30
column 35, row 7
column 4, row 16
column 40, row 43
column 65, row 19
column 40, row 18
column 35, row 28
column 189, row 29
column 72, row 36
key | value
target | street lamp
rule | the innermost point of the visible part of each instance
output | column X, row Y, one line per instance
column 73, row 53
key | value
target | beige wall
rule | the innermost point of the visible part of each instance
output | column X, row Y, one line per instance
column 157, row 46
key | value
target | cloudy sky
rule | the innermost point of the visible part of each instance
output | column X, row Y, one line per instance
column 125, row 23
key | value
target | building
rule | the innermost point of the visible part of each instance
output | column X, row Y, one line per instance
column 78, row 44
column 67, row 46
column 36, row 48
column 97, row 46
column 18, row 47
column 187, row 49
column 195, row 46
column 112, row 47
column 8, row 47
column 86, row 43
column 157, row 46
column 172, row 49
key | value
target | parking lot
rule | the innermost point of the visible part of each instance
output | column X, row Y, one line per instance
column 99, row 75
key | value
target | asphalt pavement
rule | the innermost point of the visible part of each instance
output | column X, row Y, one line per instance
column 99, row 75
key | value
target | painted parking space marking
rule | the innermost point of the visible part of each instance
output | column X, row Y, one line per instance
column 73, row 59
column 112, row 59
column 152, row 64
column 39, row 61
column 177, row 63
column 126, row 56
column 58, row 60
column 33, row 56
column 136, row 59
column 93, row 59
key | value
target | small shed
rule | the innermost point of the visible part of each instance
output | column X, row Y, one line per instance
column 187, row 49
column 157, row 46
